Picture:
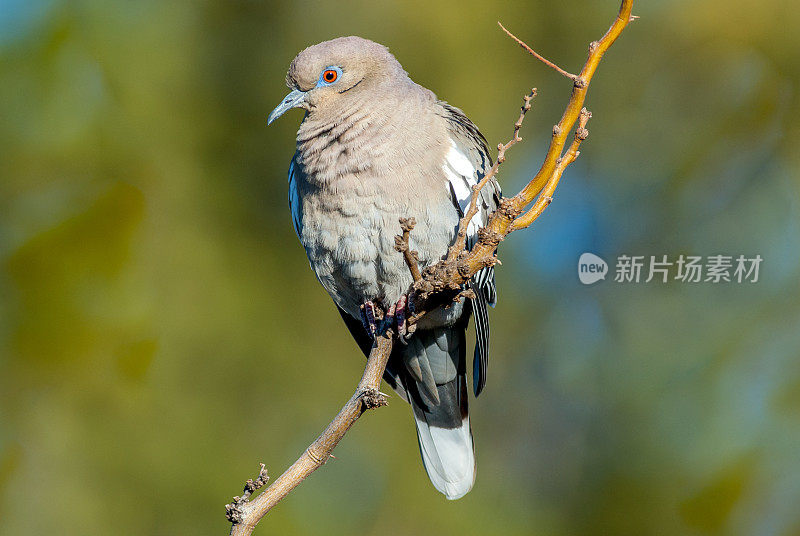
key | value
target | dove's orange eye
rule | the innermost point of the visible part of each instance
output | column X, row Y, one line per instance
column 330, row 76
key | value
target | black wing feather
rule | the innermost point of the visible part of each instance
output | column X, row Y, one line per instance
column 469, row 140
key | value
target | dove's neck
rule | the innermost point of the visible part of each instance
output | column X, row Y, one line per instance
column 370, row 138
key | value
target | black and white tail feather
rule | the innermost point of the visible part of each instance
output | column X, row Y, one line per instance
column 441, row 411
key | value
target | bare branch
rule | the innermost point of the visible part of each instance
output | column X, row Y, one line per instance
column 248, row 513
column 445, row 276
column 443, row 282
column 546, row 196
column 537, row 55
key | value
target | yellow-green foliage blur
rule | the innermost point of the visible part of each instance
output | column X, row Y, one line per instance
column 161, row 332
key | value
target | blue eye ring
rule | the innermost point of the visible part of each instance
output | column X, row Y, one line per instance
column 330, row 75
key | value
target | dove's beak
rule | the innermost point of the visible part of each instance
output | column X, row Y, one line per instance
column 295, row 99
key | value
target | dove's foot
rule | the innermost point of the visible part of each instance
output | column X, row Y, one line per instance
column 368, row 318
column 397, row 316
column 396, row 319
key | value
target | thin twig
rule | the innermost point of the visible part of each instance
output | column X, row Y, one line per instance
column 537, row 55
column 233, row 511
column 402, row 244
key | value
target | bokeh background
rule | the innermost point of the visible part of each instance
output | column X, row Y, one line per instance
column 161, row 332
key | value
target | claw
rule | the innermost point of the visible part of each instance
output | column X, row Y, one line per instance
column 388, row 320
column 368, row 318
column 402, row 328
column 403, row 310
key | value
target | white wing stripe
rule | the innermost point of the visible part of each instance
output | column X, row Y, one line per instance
column 462, row 176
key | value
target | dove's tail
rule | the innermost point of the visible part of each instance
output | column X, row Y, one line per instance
column 436, row 380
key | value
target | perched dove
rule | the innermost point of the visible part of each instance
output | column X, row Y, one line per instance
column 375, row 147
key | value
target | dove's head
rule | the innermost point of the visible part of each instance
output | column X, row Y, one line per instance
column 333, row 73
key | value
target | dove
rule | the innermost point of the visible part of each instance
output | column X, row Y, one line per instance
column 374, row 147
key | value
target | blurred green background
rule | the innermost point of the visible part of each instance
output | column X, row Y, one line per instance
column 161, row 332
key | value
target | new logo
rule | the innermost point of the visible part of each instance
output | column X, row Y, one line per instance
column 591, row 268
